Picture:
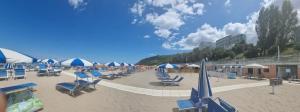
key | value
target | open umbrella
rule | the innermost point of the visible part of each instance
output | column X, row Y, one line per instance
column 168, row 65
column 75, row 62
column 10, row 56
column 50, row 61
column 112, row 64
column 124, row 64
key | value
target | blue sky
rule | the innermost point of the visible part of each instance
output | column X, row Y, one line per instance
column 120, row 30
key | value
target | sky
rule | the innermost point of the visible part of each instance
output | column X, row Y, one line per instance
column 122, row 30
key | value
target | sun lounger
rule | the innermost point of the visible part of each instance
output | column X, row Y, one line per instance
column 213, row 106
column 86, row 84
column 173, row 83
column 42, row 69
column 227, row 106
column 3, row 74
column 71, row 87
column 219, row 105
column 189, row 104
column 19, row 73
column 171, row 79
column 96, row 74
column 17, row 88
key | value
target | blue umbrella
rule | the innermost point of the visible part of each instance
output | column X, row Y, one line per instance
column 124, row 64
column 204, row 89
column 10, row 56
column 112, row 64
column 50, row 61
column 75, row 62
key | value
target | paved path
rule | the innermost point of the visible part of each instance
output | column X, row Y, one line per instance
column 171, row 93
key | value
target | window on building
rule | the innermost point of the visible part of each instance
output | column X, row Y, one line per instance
column 266, row 70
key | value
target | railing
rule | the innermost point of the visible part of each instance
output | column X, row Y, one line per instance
column 261, row 60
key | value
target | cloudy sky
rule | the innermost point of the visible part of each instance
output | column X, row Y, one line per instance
column 123, row 30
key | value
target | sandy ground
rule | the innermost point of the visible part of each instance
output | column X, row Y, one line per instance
column 103, row 99
column 149, row 80
column 100, row 100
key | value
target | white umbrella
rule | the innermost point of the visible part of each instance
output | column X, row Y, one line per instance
column 76, row 62
column 10, row 56
column 50, row 61
column 113, row 64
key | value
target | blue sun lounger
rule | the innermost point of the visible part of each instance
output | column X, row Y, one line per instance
column 3, row 74
column 172, row 82
column 71, row 87
column 226, row 105
column 85, row 83
column 42, row 69
column 19, row 73
column 189, row 104
column 17, row 88
column 220, row 106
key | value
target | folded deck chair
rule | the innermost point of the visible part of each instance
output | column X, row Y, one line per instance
column 19, row 73
column 3, row 74
column 189, row 104
column 173, row 83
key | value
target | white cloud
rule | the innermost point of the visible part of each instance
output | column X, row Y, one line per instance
column 206, row 33
column 169, row 20
column 77, row 3
column 146, row 36
column 166, row 16
column 138, row 8
column 163, row 33
column 227, row 3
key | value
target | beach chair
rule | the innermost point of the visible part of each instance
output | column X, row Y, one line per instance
column 19, row 73
column 4, row 74
column 20, row 98
column 17, row 88
column 171, row 79
column 86, row 83
column 42, row 69
column 96, row 74
column 213, row 106
column 227, row 106
column 172, row 83
column 189, row 104
column 71, row 87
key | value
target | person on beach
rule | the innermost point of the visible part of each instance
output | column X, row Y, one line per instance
column 3, row 102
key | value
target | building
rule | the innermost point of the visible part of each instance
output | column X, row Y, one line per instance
column 229, row 41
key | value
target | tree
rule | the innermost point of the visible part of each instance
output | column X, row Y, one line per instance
column 288, row 22
column 251, row 52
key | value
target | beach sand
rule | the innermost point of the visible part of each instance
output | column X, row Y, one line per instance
column 149, row 80
column 103, row 99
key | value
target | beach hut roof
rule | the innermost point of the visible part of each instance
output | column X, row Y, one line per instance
column 255, row 65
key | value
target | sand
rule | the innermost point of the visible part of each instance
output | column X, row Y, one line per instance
column 103, row 99
column 148, row 80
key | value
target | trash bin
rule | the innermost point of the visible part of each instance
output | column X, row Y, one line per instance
column 275, row 81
